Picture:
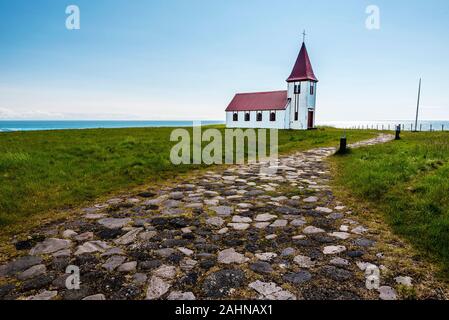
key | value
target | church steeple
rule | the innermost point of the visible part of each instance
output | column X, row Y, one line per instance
column 302, row 71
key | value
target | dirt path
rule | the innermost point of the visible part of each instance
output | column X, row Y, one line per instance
column 237, row 234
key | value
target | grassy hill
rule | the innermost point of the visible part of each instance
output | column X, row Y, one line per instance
column 46, row 170
column 407, row 181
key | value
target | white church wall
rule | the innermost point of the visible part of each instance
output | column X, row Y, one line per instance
column 253, row 123
column 306, row 102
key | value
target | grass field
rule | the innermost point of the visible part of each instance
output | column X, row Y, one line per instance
column 45, row 170
column 408, row 182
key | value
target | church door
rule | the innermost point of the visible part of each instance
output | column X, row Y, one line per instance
column 310, row 120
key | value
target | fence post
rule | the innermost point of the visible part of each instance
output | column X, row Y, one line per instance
column 430, row 127
column 398, row 132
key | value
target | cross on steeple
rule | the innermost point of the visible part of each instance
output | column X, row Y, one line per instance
column 304, row 36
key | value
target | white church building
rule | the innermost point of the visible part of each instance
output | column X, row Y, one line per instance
column 293, row 108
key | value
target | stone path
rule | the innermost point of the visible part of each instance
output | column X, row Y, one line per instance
column 234, row 234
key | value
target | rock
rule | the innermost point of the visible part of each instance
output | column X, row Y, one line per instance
column 148, row 235
column 405, row 281
column 261, row 267
column 304, row 261
column 128, row 267
column 344, row 228
column 178, row 295
column 298, row 222
column 176, row 195
column 365, row 265
column 139, row 279
column 67, row 234
column 94, row 297
column 271, row 291
column 288, row 252
column 114, row 223
column 335, row 216
column 229, row 256
column 271, row 236
column 323, row 210
column 50, row 245
column 62, row 253
column 165, row 253
column 355, row 253
column 32, row 272
column 6, row 290
column 239, row 219
column 339, row 262
column 113, row 262
column 387, row 293
column 310, row 199
column 187, row 264
column 84, row 237
column 239, row 226
column 19, row 265
column 43, row 296
column 364, row 242
column 165, row 271
column 129, row 237
column 336, row 274
column 150, row 264
column 92, row 246
column 223, row 231
column 340, row 235
column 157, row 287
column 298, row 277
column 222, row 210
column 186, row 251
column 113, row 252
column 312, row 230
column 265, row 217
column 280, row 223
column 339, row 208
column 219, row 284
column 267, row 256
column 215, row 221
column 261, row 225
column 38, row 282
column 359, row 230
column 334, row 249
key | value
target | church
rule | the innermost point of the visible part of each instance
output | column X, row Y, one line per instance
column 293, row 108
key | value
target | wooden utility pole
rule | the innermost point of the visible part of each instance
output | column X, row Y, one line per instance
column 417, row 105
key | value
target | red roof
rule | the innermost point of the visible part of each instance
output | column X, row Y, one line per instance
column 303, row 68
column 274, row 100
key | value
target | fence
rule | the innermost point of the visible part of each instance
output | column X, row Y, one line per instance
column 404, row 127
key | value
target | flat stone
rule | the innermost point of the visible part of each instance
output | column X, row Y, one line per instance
column 128, row 267
column 32, row 272
column 114, row 223
column 298, row 222
column 219, row 284
column 165, row 271
column 19, row 265
column 310, row 199
column 91, row 247
column 157, row 287
column 176, row 195
column 298, row 277
column 364, row 242
column 44, row 296
column 113, row 262
column 239, row 219
column 229, row 256
column 271, row 236
column 62, row 253
column 147, row 235
column 334, row 249
column 129, row 237
column 165, row 253
column 266, row 256
column 265, row 217
column 304, row 261
column 215, row 221
column 67, row 234
column 339, row 262
column 288, row 252
column 323, row 210
column 405, row 281
column 344, row 228
column 312, row 230
column 387, row 293
column 187, row 264
column 261, row 267
column 186, row 251
column 94, row 297
column 261, row 225
column 222, row 210
column 239, row 226
column 94, row 216
column 223, row 231
column 113, row 252
column 50, row 245
column 139, row 279
column 359, row 230
column 365, row 265
column 280, row 223
column 337, row 274
column 84, row 236
column 339, row 208
column 340, row 235
column 178, row 295
column 271, row 291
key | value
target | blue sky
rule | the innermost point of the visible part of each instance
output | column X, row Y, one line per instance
column 185, row 59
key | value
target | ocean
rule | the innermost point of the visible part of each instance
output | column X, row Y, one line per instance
column 11, row 125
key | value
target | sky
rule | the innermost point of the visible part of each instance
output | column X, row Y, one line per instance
column 185, row 59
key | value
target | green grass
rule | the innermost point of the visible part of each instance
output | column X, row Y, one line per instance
column 46, row 170
column 407, row 181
